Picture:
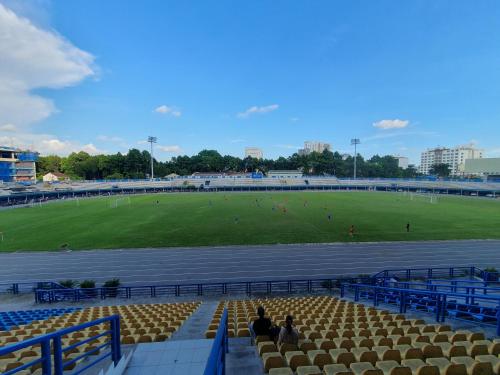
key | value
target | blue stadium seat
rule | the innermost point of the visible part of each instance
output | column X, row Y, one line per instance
column 10, row 319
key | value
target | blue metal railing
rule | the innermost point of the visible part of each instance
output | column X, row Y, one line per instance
column 28, row 287
column 52, row 359
column 199, row 289
column 481, row 308
column 216, row 364
column 452, row 287
column 439, row 272
column 430, row 272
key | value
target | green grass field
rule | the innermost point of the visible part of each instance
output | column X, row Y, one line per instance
column 245, row 218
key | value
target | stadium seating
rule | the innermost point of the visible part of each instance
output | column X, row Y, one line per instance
column 13, row 319
column 340, row 337
column 138, row 324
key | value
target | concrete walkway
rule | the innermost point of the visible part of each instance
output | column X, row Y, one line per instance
column 195, row 326
column 243, row 358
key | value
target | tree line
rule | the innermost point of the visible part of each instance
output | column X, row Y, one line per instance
column 136, row 164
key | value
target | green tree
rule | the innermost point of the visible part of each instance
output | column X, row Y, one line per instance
column 440, row 169
column 50, row 163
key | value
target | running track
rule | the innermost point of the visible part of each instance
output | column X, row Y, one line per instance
column 233, row 263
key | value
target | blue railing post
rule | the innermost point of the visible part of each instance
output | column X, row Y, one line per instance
column 498, row 320
column 115, row 340
column 444, row 309
column 58, row 356
column 342, row 290
column 401, row 302
column 46, row 362
column 472, row 272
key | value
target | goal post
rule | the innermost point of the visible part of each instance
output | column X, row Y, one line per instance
column 118, row 202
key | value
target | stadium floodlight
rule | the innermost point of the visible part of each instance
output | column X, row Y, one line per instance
column 152, row 140
column 355, row 142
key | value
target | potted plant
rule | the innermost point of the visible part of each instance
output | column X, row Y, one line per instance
column 111, row 287
column 88, row 284
column 68, row 283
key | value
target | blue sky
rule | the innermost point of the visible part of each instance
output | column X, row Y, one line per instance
column 400, row 75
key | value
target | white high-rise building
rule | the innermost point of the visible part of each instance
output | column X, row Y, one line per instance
column 314, row 146
column 253, row 152
column 402, row 161
column 454, row 157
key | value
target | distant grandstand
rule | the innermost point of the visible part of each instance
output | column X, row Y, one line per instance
column 12, row 194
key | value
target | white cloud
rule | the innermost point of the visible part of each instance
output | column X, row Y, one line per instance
column 237, row 140
column 258, row 110
column 48, row 144
column 391, row 124
column 165, row 109
column 59, row 147
column 174, row 149
column 34, row 58
column 294, row 119
column 8, row 128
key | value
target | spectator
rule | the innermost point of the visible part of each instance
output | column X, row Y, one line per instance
column 288, row 333
column 262, row 326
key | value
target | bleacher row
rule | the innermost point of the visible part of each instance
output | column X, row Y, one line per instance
column 138, row 323
column 13, row 319
column 345, row 338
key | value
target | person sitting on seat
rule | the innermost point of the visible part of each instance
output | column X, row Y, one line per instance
column 288, row 333
column 262, row 326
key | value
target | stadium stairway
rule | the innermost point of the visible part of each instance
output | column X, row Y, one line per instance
column 186, row 352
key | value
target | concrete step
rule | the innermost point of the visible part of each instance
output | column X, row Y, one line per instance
column 195, row 327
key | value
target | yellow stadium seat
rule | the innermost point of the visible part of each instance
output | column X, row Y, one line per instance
column 419, row 367
column 273, row 360
column 446, row 367
column 393, row 368
column 309, row 370
column 296, row 359
column 474, row 367
column 281, row 371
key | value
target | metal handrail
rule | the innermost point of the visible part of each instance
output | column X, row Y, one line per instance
column 439, row 297
column 54, row 340
column 216, row 364
column 246, row 287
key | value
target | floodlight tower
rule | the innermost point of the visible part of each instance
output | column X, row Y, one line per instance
column 355, row 142
column 152, row 140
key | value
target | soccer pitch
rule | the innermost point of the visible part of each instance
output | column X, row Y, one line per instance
column 163, row 220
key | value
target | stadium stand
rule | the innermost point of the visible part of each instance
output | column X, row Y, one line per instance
column 138, row 324
column 336, row 336
column 13, row 195
column 13, row 319
column 340, row 337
